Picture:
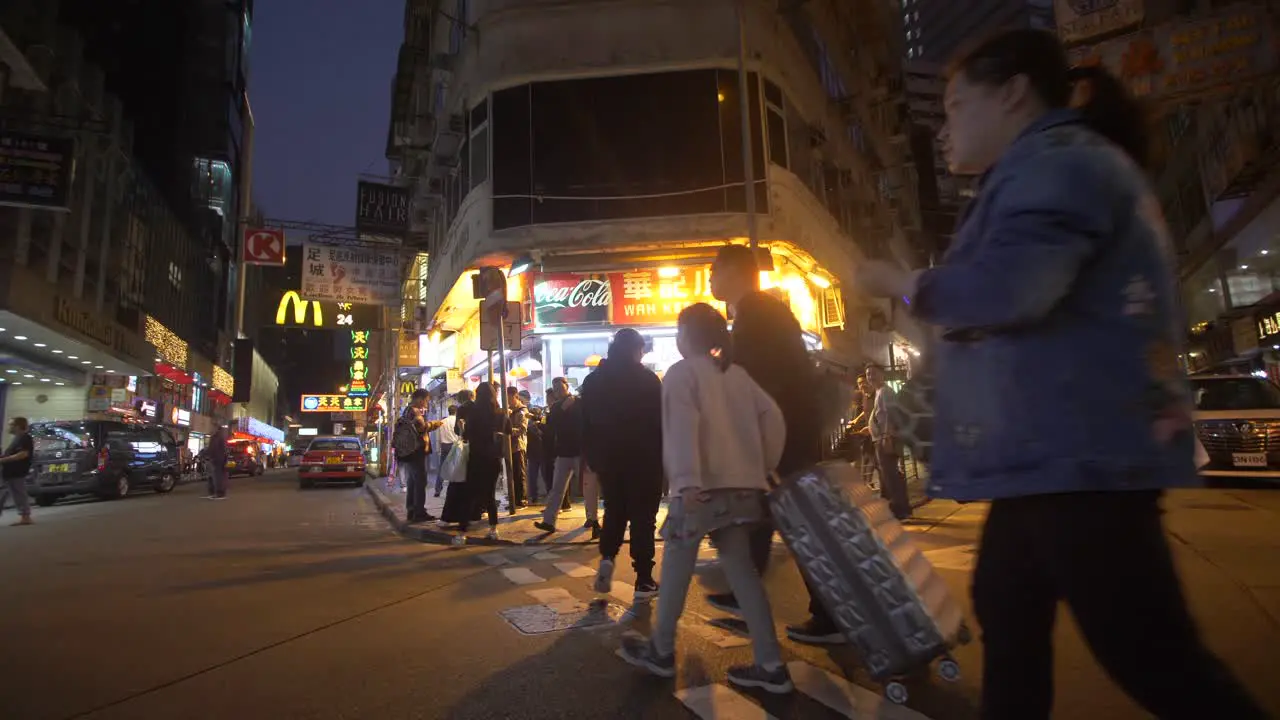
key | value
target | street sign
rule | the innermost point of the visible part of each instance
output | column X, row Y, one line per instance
column 333, row 403
column 510, row 328
column 263, row 246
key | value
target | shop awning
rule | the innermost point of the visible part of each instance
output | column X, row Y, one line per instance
column 173, row 374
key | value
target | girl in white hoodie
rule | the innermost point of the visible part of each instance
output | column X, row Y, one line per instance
column 721, row 438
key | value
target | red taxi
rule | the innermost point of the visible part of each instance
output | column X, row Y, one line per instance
column 332, row 459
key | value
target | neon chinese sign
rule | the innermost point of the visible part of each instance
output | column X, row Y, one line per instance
column 359, row 372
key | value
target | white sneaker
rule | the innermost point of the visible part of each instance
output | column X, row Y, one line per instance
column 492, row 534
column 604, row 576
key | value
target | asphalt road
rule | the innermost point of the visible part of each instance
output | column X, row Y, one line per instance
column 281, row 603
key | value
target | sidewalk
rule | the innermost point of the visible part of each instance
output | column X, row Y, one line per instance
column 518, row 529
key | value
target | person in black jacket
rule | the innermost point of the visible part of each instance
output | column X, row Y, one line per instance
column 622, row 438
column 565, row 422
column 769, row 344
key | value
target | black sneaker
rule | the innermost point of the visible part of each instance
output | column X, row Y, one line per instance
column 544, row 527
column 813, row 632
column 639, row 652
column 595, row 532
column 776, row 681
column 725, row 603
column 646, row 589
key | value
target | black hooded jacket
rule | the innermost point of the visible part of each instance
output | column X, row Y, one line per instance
column 622, row 419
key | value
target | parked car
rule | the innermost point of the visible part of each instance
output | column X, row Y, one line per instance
column 1237, row 419
column 103, row 458
column 332, row 459
column 295, row 457
column 244, row 458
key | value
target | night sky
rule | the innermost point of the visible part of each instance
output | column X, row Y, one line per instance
column 320, row 86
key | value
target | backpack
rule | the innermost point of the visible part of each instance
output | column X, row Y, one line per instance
column 406, row 440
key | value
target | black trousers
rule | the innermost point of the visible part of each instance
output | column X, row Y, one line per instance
column 519, row 469
column 631, row 498
column 761, row 540
column 1106, row 556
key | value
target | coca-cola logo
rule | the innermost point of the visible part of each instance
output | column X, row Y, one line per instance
column 588, row 293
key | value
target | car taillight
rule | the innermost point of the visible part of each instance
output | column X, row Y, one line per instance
column 103, row 457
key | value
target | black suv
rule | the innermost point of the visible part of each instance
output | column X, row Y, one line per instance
column 103, row 458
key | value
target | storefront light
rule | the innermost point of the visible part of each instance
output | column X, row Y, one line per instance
column 819, row 280
column 668, row 272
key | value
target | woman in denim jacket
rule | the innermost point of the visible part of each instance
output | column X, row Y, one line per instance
column 1059, row 393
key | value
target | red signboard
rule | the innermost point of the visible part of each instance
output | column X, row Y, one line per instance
column 650, row 296
column 655, row 296
column 263, row 246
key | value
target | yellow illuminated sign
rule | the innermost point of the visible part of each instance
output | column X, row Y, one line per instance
column 299, row 310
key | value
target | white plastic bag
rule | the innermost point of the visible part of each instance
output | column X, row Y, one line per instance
column 454, row 467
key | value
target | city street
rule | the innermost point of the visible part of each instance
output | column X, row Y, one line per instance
column 281, row 603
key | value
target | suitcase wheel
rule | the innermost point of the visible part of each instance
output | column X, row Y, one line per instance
column 896, row 692
column 949, row 669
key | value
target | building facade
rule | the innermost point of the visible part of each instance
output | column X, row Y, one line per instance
column 109, row 281
column 616, row 162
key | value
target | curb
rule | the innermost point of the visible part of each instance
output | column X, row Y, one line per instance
column 426, row 534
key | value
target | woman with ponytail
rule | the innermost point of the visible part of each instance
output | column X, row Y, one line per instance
column 1059, row 396
column 722, row 436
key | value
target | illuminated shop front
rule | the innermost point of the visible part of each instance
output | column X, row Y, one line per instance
column 568, row 318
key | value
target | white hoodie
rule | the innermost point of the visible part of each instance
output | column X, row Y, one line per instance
column 719, row 429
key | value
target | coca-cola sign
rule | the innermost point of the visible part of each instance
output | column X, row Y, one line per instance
column 571, row 299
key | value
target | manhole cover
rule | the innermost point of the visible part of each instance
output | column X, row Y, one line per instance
column 541, row 619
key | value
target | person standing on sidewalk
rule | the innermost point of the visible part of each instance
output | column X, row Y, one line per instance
column 1063, row 252
column 519, row 414
column 565, row 421
column 887, row 444
column 217, row 455
column 768, row 343
column 448, row 436
column 413, row 460
column 15, row 467
column 622, row 437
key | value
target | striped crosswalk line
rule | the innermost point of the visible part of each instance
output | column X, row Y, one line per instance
column 522, row 576
column 846, row 698
column 720, row 702
column 575, row 570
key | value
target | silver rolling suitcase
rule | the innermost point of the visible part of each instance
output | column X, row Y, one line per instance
column 878, row 587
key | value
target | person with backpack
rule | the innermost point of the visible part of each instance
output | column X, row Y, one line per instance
column 412, row 444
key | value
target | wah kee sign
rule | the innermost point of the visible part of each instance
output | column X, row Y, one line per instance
column 650, row 296
column 1189, row 58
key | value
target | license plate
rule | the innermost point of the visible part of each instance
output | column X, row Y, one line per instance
column 60, row 468
column 1258, row 460
column 333, row 461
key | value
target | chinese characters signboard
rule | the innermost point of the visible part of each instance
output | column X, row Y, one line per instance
column 1189, row 58
column 1084, row 19
column 363, row 275
column 293, row 311
column 36, row 171
column 333, row 403
column 382, row 209
column 650, row 296
column 359, row 385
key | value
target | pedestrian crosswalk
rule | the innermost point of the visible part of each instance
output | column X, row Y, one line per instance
column 573, row 606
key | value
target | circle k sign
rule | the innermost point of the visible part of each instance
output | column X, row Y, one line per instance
column 263, row 247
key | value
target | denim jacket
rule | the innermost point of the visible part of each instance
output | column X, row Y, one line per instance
column 1057, row 304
